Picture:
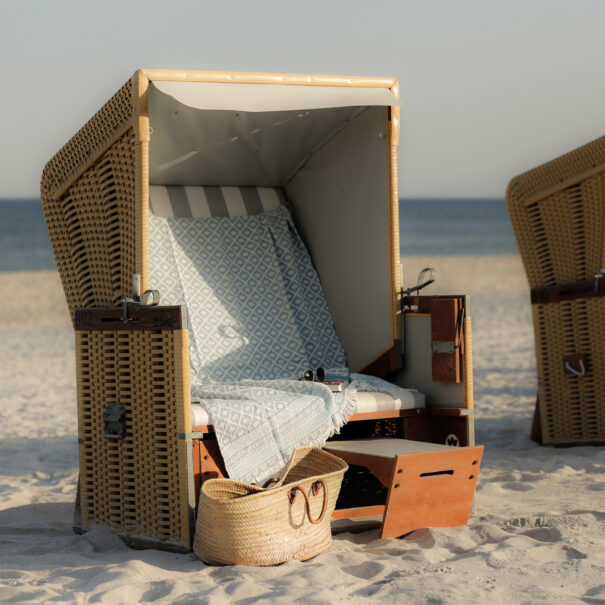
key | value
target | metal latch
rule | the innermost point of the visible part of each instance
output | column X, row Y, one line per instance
column 115, row 423
column 443, row 346
column 148, row 298
column 449, row 346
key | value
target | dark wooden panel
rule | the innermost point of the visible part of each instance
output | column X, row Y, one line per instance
column 418, row 428
column 453, row 430
column 444, row 329
column 387, row 414
column 385, row 364
column 139, row 318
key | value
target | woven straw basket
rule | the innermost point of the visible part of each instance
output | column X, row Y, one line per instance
column 242, row 524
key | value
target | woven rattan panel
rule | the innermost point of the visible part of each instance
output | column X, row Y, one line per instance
column 561, row 237
column 558, row 214
column 557, row 174
column 138, row 485
column 559, row 220
column 84, row 147
column 572, row 408
column 92, row 229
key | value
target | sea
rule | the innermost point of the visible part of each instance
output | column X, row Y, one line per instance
column 427, row 227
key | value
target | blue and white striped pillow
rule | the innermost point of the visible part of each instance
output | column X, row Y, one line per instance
column 205, row 202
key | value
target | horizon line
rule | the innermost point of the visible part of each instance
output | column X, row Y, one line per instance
column 407, row 198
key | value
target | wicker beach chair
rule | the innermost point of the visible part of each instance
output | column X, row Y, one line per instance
column 191, row 144
column 558, row 214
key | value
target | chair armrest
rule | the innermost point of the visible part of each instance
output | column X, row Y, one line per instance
column 135, row 479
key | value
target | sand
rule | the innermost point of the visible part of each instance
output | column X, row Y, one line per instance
column 538, row 534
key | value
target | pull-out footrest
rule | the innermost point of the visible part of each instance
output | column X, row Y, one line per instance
column 429, row 485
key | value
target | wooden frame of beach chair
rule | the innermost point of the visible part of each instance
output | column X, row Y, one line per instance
column 558, row 214
column 95, row 196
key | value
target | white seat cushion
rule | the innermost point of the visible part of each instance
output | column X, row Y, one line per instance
column 383, row 402
column 366, row 403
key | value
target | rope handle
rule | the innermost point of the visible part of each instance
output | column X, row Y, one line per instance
column 314, row 490
column 579, row 372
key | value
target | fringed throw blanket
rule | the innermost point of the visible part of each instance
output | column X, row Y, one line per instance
column 256, row 311
column 259, row 424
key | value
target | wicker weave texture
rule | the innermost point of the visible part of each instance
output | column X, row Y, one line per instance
column 561, row 233
column 558, row 214
column 136, row 486
column 240, row 524
column 572, row 408
column 92, row 229
column 395, row 249
column 107, row 125
column 570, row 168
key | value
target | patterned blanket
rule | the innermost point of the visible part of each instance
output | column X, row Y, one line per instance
column 257, row 315
column 259, row 423
column 255, row 304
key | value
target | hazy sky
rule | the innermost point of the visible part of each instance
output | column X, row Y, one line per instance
column 492, row 88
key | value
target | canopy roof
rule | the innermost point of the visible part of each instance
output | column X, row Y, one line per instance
column 273, row 97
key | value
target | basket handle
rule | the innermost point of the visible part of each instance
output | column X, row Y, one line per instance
column 314, row 489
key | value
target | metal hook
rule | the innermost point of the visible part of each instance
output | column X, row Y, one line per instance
column 432, row 276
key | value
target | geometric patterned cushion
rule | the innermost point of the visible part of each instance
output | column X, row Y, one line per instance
column 205, row 202
column 255, row 304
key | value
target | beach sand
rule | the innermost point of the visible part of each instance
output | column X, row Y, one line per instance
column 538, row 535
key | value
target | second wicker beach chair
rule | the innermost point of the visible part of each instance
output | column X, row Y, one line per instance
column 558, row 215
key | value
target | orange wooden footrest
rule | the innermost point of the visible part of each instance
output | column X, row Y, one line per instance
column 430, row 485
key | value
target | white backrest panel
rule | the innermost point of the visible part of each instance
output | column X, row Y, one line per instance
column 340, row 203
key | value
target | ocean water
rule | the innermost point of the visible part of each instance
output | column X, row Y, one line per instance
column 429, row 226
column 24, row 243
column 454, row 226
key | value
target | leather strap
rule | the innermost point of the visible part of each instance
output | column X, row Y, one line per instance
column 583, row 289
column 314, row 490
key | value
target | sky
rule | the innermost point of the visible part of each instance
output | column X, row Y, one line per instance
column 492, row 88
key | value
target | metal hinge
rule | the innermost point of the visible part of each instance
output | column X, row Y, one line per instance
column 444, row 346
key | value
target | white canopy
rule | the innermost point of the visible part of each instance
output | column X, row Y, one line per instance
column 326, row 146
column 273, row 97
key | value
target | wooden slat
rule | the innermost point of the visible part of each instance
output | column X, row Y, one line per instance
column 362, row 511
column 388, row 414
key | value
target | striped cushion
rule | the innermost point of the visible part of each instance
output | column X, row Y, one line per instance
column 205, row 202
